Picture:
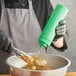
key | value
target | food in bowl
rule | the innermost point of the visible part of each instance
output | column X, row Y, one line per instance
column 35, row 63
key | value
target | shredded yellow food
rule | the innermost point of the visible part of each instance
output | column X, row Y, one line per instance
column 35, row 63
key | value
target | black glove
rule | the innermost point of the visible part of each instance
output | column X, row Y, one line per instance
column 60, row 30
column 5, row 42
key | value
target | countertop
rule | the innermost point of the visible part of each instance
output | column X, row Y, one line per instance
column 67, row 74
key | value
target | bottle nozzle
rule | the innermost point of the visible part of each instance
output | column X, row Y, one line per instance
column 41, row 47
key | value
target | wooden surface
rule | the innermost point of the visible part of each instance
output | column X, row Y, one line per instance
column 68, row 74
column 71, row 74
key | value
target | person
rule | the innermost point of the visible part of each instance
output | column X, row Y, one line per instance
column 22, row 22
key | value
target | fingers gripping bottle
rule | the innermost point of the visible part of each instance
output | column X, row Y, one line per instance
column 48, row 32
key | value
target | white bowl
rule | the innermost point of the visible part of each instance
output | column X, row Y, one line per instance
column 59, row 64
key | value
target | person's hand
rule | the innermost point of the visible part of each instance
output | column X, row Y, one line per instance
column 60, row 30
column 5, row 42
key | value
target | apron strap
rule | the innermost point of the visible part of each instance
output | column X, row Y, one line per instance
column 2, row 4
column 32, row 10
column 30, row 5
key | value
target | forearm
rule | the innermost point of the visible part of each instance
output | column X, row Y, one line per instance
column 59, row 43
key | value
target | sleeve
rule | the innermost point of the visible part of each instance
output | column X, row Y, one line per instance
column 50, row 8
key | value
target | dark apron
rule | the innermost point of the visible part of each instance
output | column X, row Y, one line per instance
column 22, row 26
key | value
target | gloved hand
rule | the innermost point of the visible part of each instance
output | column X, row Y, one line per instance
column 60, row 30
column 5, row 42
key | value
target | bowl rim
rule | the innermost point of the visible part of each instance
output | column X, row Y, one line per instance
column 66, row 66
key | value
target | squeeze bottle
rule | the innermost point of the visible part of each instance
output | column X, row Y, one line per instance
column 48, row 32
